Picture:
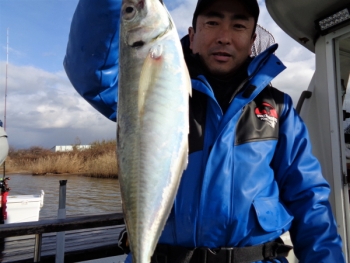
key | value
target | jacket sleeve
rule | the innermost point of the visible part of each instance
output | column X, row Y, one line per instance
column 305, row 192
column 91, row 60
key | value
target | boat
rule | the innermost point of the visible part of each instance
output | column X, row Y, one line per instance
column 323, row 27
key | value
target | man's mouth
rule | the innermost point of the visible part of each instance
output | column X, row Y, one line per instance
column 221, row 56
column 224, row 54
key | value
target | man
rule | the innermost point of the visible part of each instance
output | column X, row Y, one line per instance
column 251, row 175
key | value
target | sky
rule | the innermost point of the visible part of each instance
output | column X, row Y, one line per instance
column 43, row 109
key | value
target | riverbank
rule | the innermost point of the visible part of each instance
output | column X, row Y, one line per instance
column 98, row 161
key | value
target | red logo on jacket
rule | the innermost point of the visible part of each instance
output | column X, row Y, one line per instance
column 265, row 112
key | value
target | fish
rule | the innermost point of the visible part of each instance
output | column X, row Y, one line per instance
column 152, row 121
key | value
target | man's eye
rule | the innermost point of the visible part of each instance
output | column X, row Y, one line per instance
column 212, row 23
column 239, row 26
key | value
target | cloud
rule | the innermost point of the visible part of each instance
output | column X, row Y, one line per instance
column 295, row 79
column 182, row 15
column 44, row 109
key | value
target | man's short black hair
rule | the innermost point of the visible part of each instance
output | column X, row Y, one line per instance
column 252, row 7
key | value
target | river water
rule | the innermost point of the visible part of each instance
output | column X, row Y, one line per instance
column 84, row 195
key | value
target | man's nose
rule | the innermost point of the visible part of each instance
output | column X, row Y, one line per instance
column 224, row 37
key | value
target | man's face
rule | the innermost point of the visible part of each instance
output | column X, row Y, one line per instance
column 223, row 36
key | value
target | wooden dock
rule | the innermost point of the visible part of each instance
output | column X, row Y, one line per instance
column 86, row 238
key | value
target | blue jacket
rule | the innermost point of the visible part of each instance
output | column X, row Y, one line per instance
column 252, row 178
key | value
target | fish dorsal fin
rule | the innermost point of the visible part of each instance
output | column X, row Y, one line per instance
column 149, row 74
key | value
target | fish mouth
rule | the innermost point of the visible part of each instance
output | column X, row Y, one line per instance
column 133, row 35
column 134, row 38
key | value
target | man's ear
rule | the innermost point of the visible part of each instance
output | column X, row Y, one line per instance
column 191, row 36
column 254, row 37
column 252, row 43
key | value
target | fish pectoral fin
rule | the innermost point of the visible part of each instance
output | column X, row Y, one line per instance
column 184, row 159
column 189, row 83
column 149, row 74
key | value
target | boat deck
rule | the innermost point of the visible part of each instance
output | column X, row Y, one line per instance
column 80, row 245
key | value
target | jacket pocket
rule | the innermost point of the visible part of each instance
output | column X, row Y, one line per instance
column 271, row 214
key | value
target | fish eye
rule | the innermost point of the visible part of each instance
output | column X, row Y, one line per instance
column 129, row 9
column 129, row 12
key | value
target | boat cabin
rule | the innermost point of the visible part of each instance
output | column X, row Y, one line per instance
column 323, row 27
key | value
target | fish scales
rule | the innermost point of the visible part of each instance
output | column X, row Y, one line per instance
column 152, row 122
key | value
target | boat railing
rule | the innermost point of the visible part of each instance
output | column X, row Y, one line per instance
column 58, row 225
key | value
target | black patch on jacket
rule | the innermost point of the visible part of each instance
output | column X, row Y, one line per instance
column 198, row 109
column 197, row 102
column 260, row 118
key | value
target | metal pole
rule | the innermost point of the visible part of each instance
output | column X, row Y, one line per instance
column 7, row 62
column 60, row 239
column 4, row 172
column 2, row 190
column 37, row 247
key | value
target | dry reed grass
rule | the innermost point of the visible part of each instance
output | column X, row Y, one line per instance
column 105, row 165
column 99, row 161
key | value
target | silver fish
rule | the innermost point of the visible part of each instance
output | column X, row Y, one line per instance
column 152, row 121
